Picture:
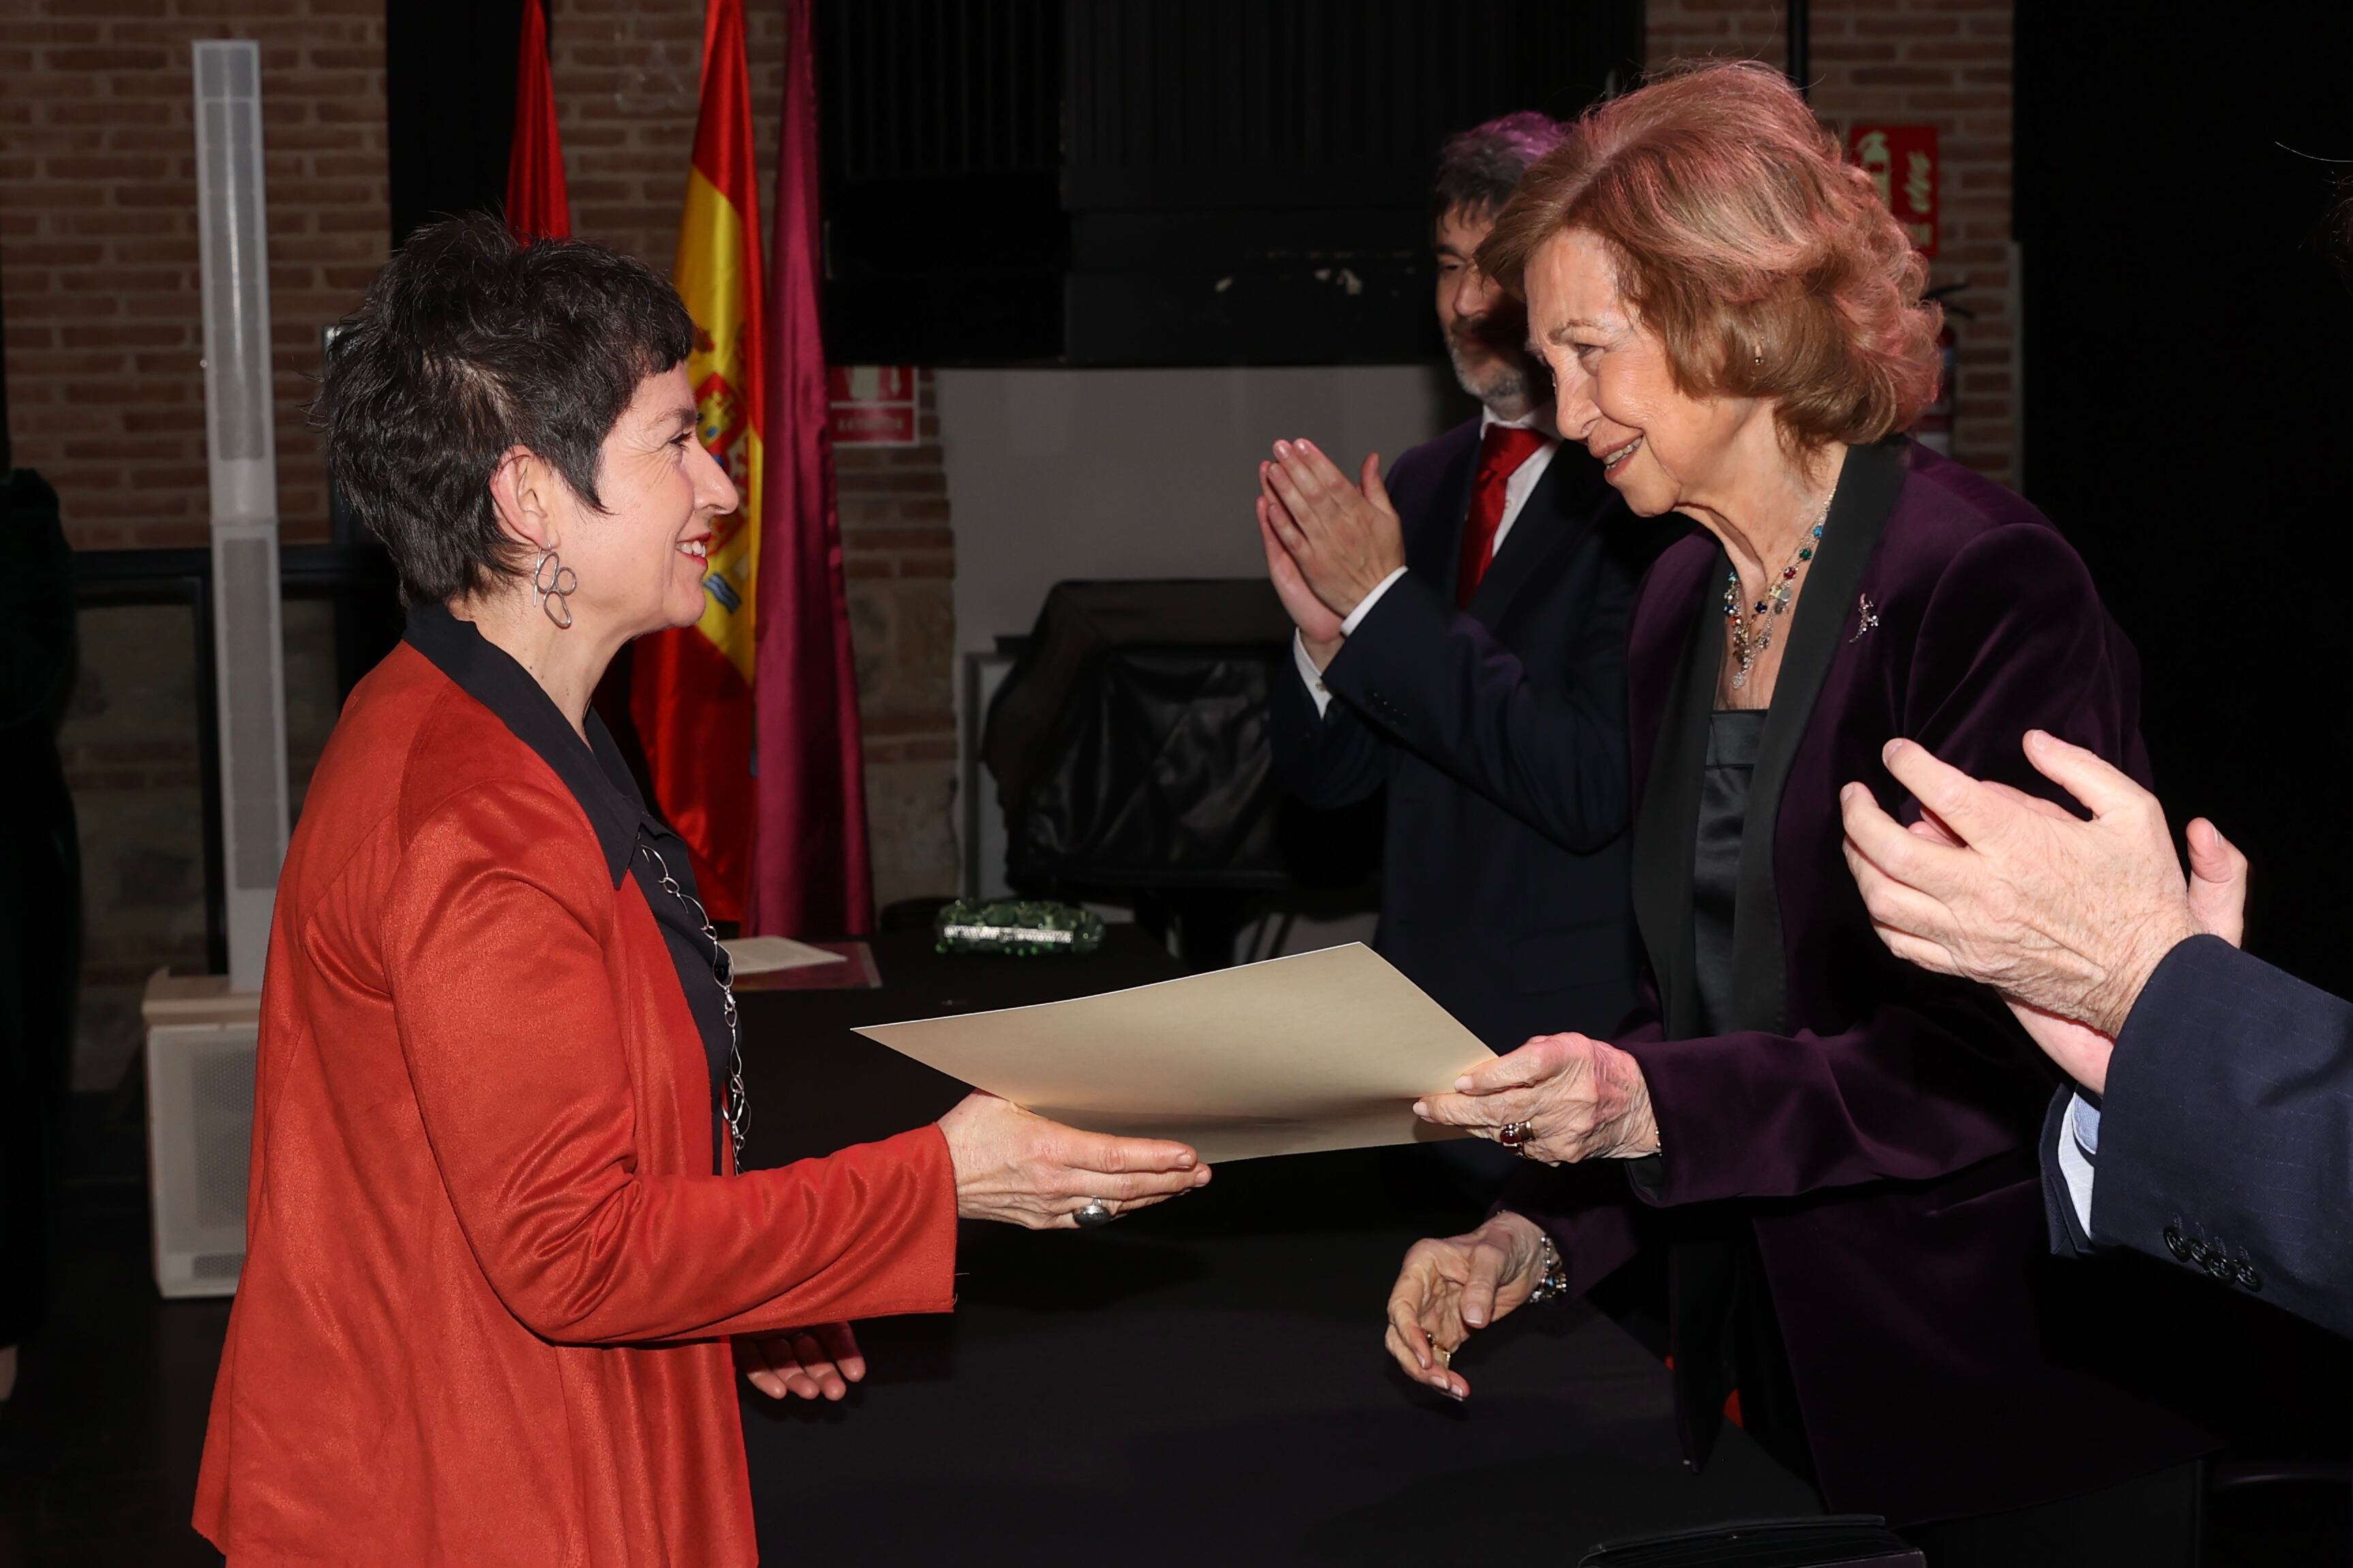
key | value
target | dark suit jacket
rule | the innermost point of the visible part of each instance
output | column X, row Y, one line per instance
column 1501, row 734
column 2226, row 1136
column 1875, row 1124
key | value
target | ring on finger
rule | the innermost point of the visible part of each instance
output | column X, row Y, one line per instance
column 1514, row 1135
column 1096, row 1213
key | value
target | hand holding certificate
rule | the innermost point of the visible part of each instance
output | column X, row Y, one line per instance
column 1319, row 1051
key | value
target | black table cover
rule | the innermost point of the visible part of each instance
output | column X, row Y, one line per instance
column 1206, row 1378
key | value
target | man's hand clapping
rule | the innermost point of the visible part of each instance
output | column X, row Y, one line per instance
column 1329, row 542
column 2067, row 918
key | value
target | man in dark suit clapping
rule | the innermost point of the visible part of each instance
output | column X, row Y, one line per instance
column 1461, row 639
column 2210, row 1117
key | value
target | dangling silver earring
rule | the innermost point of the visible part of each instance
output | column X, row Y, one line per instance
column 554, row 582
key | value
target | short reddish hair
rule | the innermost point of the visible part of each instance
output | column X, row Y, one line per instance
column 1765, row 261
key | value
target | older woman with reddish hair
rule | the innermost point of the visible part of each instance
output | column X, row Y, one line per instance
column 1839, row 1151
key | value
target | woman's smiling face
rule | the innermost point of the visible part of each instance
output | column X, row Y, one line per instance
column 1614, row 389
column 640, row 562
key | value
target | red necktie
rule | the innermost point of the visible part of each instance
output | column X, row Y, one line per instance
column 1502, row 450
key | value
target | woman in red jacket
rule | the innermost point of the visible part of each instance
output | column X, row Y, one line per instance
column 500, row 1262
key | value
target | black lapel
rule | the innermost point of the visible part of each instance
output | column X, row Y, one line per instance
column 1666, row 823
column 1868, row 486
column 1543, row 532
column 488, row 674
column 1440, row 538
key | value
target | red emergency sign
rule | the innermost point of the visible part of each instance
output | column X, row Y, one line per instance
column 1902, row 161
column 872, row 404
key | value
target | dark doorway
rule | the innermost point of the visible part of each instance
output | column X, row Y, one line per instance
column 449, row 82
column 2188, row 398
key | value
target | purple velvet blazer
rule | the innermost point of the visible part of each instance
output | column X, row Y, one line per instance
column 1878, row 1125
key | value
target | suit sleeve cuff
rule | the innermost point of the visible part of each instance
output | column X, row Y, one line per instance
column 1356, row 618
column 1321, row 693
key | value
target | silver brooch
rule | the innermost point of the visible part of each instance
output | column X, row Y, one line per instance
column 1866, row 618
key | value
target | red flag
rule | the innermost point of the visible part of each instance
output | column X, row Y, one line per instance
column 692, row 689
column 538, row 207
column 810, row 872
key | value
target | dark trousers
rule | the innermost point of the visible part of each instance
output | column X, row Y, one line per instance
column 40, row 889
column 2150, row 1521
column 40, row 962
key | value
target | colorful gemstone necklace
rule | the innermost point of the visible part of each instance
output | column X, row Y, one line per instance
column 1752, row 634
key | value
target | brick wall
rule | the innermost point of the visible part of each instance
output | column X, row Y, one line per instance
column 98, row 251
column 97, row 242
column 1944, row 63
column 899, row 560
column 98, row 257
column 626, row 75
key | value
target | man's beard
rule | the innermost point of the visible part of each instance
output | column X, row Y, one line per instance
column 1496, row 378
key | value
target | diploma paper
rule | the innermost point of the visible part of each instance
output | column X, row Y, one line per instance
column 767, row 954
column 1322, row 1050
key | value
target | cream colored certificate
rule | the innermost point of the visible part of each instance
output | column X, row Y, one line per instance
column 1321, row 1050
column 773, row 954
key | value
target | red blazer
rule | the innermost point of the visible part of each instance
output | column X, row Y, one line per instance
column 489, row 1277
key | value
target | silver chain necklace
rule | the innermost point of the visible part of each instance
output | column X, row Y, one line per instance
column 722, row 969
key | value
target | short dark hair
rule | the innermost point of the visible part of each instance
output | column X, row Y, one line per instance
column 1479, row 168
column 467, row 344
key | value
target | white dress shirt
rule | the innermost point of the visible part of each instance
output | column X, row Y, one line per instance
column 1517, row 490
column 2079, row 1152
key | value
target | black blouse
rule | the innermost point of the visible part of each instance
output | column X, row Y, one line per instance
column 1724, row 1255
column 1733, row 734
column 636, row 842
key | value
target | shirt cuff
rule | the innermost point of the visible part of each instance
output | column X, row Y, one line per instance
column 1356, row 618
column 1310, row 674
column 2079, row 1147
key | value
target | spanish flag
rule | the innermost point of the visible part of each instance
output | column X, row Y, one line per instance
column 691, row 692
column 537, row 205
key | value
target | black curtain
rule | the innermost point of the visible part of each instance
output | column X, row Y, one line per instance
column 450, row 75
column 2189, row 397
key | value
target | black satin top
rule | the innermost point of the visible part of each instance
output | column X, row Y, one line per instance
column 1732, row 738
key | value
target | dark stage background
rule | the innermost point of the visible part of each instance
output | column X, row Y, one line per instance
column 2186, row 333
column 2189, row 393
column 449, row 91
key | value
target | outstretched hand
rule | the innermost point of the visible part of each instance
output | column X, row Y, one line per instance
column 1015, row 1166
column 1577, row 1098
